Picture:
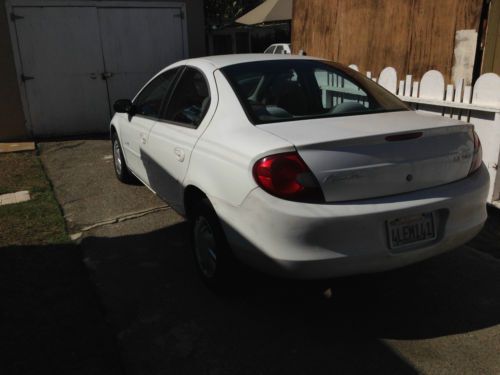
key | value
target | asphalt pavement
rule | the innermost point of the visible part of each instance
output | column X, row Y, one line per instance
column 441, row 316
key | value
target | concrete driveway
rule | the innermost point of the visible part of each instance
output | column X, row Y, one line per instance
column 438, row 317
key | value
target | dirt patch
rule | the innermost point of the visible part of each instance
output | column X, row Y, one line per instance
column 38, row 221
column 21, row 171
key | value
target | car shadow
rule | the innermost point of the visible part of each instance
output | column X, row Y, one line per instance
column 51, row 320
column 165, row 319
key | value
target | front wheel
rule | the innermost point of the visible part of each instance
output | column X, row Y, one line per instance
column 121, row 169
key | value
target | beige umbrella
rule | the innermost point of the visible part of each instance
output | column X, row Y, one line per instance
column 268, row 11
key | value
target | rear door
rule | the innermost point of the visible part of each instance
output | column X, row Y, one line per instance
column 173, row 137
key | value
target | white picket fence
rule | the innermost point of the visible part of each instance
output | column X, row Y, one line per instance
column 479, row 105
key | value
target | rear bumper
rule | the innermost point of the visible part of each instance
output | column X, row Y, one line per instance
column 310, row 241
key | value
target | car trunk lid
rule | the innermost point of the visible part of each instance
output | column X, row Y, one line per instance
column 368, row 156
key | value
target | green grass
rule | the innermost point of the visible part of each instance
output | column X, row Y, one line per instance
column 38, row 221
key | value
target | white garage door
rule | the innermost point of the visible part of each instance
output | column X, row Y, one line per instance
column 137, row 43
column 76, row 61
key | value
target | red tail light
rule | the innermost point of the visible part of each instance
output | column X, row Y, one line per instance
column 477, row 156
column 287, row 176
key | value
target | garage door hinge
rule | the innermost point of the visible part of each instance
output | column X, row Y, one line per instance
column 14, row 17
column 180, row 15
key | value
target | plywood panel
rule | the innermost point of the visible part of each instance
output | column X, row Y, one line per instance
column 368, row 36
column 432, row 37
column 414, row 36
column 315, row 27
column 491, row 56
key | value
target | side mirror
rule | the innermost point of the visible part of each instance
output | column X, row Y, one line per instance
column 123, row 106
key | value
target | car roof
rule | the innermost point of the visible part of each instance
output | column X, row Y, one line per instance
column 220, row 61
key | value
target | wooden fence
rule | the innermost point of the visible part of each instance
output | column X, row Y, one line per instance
column 478, row 104
column 411, row 35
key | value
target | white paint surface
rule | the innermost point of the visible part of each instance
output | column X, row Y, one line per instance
column 389, row 79
column 464, row 55
column 67, row 49
column 432, row 85
column 487, row 90
column 12, row 198
column 318, row 240
column 480, row 106
column 59, row 47
column 137, row 43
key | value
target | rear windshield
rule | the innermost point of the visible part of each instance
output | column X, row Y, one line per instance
column 286, row 90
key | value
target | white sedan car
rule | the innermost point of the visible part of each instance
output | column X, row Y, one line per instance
column 300, row 167
column 279, row 48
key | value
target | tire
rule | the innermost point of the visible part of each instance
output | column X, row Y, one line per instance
column 212, row 255
column 121, row 169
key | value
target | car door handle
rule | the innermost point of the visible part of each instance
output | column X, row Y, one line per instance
column 143, row 138
column 179, row 154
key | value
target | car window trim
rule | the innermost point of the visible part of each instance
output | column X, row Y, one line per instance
column 176, row 123
column 151, row 118
column 184, row 124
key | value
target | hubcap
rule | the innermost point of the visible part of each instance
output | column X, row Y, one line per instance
column 204, row 244
column 117, row 157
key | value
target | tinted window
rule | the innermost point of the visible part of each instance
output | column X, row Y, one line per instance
column 279, row 50
column 149, row 101
column 285, row 90
column 270, row 49
column 189, row 100
column 339, row 89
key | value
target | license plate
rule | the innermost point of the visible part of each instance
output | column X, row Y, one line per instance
column 411, row 230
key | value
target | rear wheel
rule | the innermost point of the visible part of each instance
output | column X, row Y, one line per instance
column 121, row 169
column 211, row 251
